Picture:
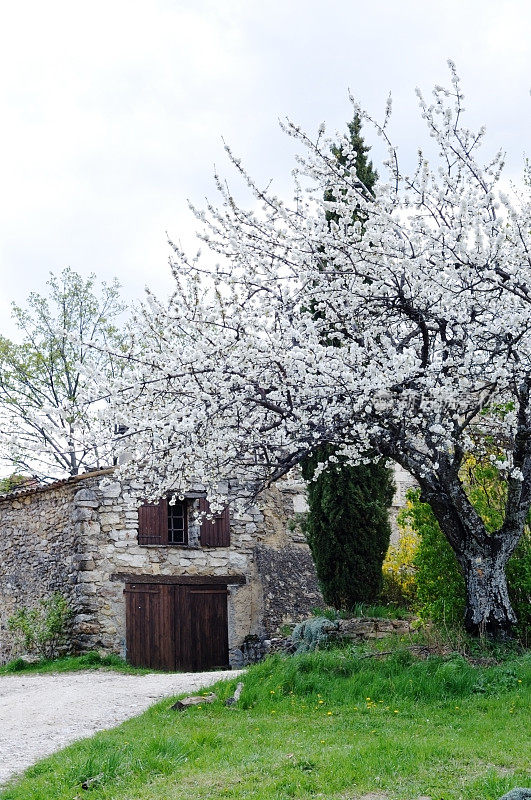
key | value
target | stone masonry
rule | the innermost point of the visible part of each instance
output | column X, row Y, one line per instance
column 79, row 536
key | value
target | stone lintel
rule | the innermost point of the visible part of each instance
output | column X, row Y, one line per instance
column 128, row 577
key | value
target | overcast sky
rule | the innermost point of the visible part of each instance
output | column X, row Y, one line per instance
column 113, row 112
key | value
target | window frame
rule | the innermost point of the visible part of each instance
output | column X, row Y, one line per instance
column 156, row 527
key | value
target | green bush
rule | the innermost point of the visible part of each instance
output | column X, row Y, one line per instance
column 399, row 570
column 312, row 633
column 440, row 586
column 42, row 630
column 519, row 581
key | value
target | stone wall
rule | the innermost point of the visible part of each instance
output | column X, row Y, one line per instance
column 403, row 481
column 80, row 537
column 39, row 552
column 283, row 560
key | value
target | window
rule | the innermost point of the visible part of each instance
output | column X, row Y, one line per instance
column 163, row 523
column 177, row 523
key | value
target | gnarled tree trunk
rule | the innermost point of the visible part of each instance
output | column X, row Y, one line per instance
column 481, row 556
column 488, row 608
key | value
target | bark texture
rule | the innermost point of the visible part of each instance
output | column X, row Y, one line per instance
column 481, row 556
column 488, row 608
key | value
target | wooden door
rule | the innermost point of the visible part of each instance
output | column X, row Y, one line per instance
column 181, row 627
column 202, row 624
column 149, row 625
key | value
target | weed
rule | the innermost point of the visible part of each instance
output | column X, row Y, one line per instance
column 43, row 628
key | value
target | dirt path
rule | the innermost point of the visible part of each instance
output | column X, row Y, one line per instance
column 40, row 714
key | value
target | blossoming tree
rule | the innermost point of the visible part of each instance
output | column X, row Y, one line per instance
column 425, row 329
column 65, row 335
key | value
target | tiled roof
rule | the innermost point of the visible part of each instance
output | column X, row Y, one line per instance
column 45, row 487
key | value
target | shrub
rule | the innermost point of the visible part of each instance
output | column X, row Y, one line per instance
column 519, row 581
column 42, row 630
column 399, row 570
column 347, row 527
column 312, row 633
column 440, row 584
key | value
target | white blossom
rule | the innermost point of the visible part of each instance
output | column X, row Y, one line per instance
column 389, row 337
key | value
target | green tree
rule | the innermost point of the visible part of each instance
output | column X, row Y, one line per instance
column 348, row 526
column 66, row 337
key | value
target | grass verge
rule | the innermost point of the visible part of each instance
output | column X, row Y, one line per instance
column 90, row 660
column 331, row 724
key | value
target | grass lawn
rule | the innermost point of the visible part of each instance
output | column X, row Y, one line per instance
column 71, row 664
column 323, row 725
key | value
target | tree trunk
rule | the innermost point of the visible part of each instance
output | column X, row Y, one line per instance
column 481, row 556
column 488, row 608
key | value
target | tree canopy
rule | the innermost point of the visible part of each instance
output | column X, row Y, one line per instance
column 429, row 299
column 47, row 428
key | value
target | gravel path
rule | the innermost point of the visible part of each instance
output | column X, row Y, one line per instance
column 40, row 714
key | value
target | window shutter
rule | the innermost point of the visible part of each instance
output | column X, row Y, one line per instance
column 153, row 523
column 214, row 532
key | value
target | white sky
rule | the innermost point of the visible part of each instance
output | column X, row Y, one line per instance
column 113, row 112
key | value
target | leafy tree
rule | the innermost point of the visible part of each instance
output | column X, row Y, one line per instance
column 348, row 526
column 47, row 428
column 429, row 298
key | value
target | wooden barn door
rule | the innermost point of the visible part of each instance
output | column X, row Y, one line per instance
column 202, row 627
column 183, row 627
column 150, row 625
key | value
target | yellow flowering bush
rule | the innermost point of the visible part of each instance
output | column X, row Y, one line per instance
column 399, row 583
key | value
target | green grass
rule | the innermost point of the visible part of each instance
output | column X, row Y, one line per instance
column 330, row 724
column 90, row 660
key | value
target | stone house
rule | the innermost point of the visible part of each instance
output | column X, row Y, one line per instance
column 151, row 583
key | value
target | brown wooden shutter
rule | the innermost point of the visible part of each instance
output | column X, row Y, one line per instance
column 153, row 523
column 214, row 532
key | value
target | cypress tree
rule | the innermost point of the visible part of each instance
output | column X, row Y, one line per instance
column 348, row 527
